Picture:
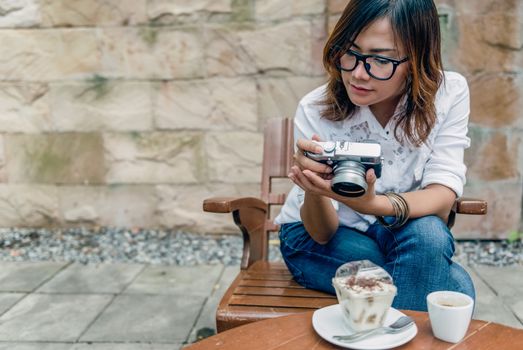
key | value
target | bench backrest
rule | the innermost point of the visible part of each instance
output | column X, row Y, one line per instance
column 278, row 150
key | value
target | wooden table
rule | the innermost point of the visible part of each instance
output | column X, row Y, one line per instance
column 296, row 332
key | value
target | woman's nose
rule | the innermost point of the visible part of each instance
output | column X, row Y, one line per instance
column 360, row 72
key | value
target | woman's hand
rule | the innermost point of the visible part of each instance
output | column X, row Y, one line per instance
column 366, row 204
column 310, row 175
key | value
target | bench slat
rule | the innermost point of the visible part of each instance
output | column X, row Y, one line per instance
column 277, row 301
column 293, row 292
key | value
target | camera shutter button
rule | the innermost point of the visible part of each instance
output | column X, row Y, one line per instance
column 329, row 146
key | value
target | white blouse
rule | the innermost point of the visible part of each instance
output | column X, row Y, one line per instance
column 405, row 167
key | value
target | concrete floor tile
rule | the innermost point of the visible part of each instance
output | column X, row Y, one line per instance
column 488, row 306
column 207, row 317
column 181, row 280
column 35, row 346
column 506, row 281
column 96, row 279
column 146, row 318
column 9, row 299
column 26, row 276
column 87, row 346
column 51, row 317
column 116, row 346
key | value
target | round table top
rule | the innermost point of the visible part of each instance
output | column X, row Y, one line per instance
column 296, row 332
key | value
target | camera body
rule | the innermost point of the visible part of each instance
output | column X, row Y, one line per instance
column 350, row 162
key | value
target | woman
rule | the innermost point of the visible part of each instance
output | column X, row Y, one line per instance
column 386, row 84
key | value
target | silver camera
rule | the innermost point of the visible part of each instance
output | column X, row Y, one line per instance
column 350, row 161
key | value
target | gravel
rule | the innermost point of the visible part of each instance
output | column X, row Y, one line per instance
column 92, row 246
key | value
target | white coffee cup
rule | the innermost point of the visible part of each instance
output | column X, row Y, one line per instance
column 450, row 314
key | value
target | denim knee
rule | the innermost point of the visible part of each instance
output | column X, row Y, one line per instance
column 430, row 237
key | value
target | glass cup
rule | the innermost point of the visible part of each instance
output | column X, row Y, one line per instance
column 365, row 293
column 450, row 314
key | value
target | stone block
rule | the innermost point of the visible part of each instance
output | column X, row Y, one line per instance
column 68, row 158
column 483, row 6
column 157, row 157
column 180, row 11
column 496, row 100
column 116, row 205
column 504, row 211
column 234, row 157
column 277, row 10
column 275, row 49
column 319, row 38
column 3, row 170
column 337, row 6
column 279, row 97
column 152, row 53
column 213, row 104
column 492, row 156
column 331, row 22
column 20, row 13
column 485, row 43
column 31, row 205
column 180, row 207
column 67, row 13
column 101, row 105
column 58, row 54
column 24, row 108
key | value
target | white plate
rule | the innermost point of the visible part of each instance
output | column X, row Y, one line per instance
column 328, row 321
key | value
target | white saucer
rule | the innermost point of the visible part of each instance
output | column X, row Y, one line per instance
column 328, row 321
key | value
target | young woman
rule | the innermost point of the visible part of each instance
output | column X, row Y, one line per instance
column 386, row 84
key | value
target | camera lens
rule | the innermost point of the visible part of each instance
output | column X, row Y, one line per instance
column 349, row 179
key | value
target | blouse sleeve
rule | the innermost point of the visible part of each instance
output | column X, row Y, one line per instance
column 445, row 164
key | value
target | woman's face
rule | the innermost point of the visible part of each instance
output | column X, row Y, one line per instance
column 364, row 90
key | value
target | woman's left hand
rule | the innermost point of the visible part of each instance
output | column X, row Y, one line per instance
column 364, row 204
column 312, row 182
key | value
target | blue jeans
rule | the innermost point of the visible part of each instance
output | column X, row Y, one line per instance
column 417, row 256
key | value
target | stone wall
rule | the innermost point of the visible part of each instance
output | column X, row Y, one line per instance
column 131, row 112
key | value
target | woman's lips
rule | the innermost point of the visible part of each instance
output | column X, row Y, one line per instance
column 359, row 90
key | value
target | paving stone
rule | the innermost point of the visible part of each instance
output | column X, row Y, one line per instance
column 87, row 346
column 115, row 346
column 26, row 276
column 207, row 317
column 9, row 299
column 182, row 280
column 35, row 346
column 488, row 306
column 51, row 317
column 508, row 287
column 146, row 318
column 97, row 279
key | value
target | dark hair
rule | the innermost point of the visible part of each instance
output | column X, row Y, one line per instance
column 416, row 26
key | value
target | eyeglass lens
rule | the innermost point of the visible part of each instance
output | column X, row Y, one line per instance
column 375, row 66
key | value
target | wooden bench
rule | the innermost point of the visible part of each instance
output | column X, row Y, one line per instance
column 266, row 289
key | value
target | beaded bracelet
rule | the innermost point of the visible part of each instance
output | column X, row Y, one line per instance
column 401, row 211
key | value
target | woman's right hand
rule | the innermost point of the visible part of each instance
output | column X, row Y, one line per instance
column 306, row 169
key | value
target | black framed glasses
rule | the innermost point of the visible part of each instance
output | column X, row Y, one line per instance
column 378, row 67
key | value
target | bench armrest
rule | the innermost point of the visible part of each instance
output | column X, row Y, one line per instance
column 471, row 206
column 230, row 204
column 250, row 215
